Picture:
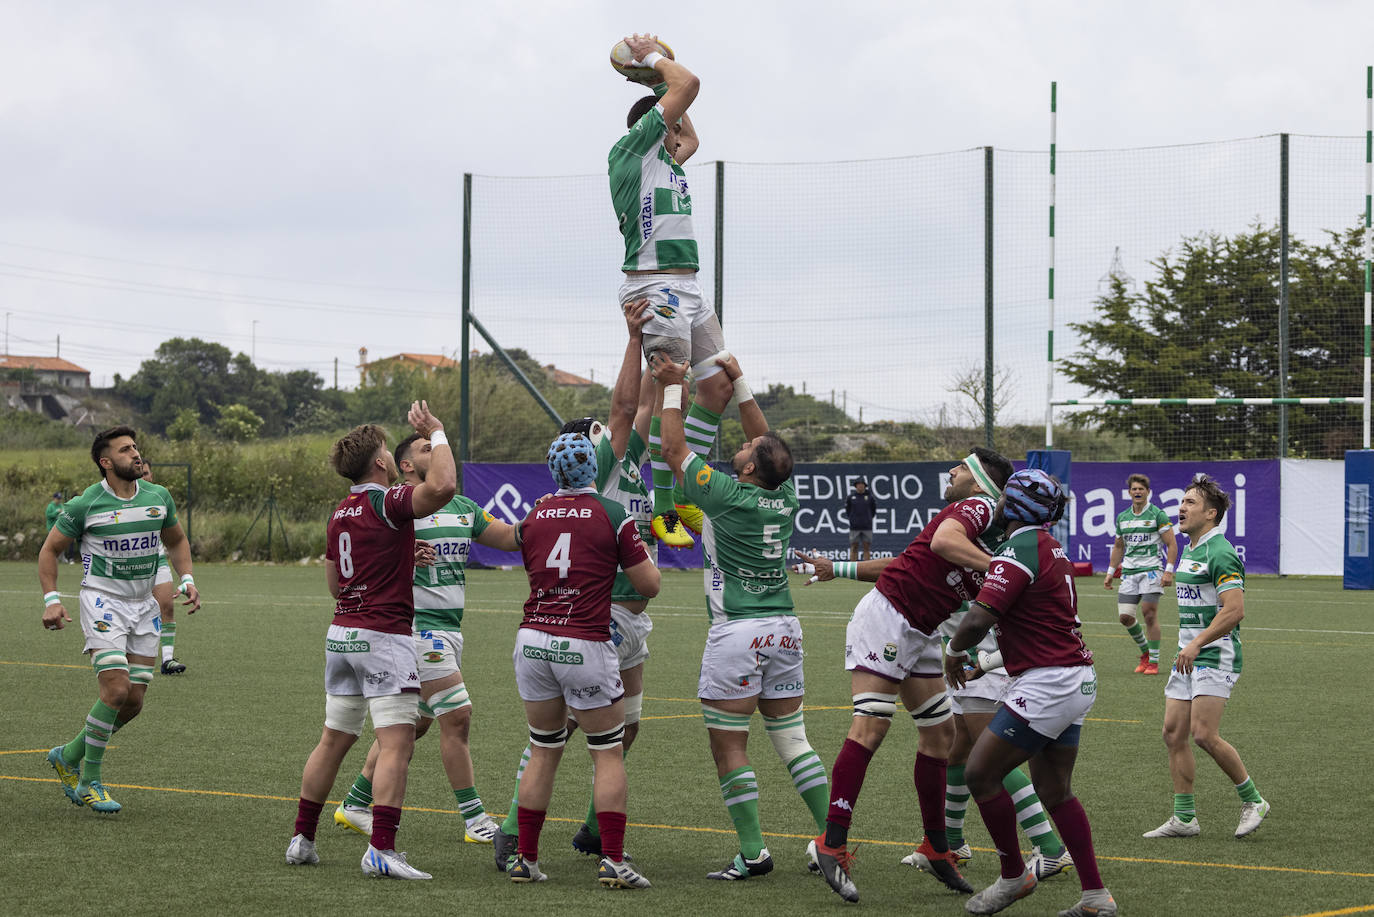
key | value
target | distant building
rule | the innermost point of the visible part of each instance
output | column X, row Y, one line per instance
column 428, row 362
column 49, row 371
column 563, row 377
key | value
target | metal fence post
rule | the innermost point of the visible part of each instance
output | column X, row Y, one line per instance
column 1283, row 293
column 464, row 413
column 988, row 370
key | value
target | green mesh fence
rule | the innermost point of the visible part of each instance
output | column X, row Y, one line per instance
column 863, row 282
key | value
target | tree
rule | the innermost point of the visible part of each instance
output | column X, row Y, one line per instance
column 185, row 426
column 1207, row 327
column 238, row 422
column 971, row 383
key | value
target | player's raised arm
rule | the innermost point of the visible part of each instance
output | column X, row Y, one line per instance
column 499, row 535
column 441, row 482
column 750, row 414
column 951, row 542
column 625, row 397
column 682, row 83
column 670, row 376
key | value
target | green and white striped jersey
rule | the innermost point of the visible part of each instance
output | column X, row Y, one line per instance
column 744, row 541
column 439, row 588
column 620, row 480
column 652, row 203
column 1205, row 571
column 1141, row 535
column 119, row 539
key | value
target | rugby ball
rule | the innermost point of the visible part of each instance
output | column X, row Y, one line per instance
column 622, row 62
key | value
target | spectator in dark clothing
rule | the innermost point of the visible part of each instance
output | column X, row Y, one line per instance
column 860, row 507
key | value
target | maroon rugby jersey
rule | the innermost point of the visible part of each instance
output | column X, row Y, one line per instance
column 572, row 544
column 925, row 587
column 371, row 541
column 1029, row 587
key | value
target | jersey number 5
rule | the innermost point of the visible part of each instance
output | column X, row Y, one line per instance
column 561, row 555
column 772, row 547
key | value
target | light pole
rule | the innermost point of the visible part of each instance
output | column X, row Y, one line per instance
column 7, row 333
column 255, row 342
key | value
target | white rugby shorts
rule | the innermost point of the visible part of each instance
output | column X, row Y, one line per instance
column 1202, row 681
column 753, row 657
column 630, row 636
column 358, row 661
column 1148, row 586
column 1053, row 698
column 980, row 695
column 880, row 641
column 682, row 323
column 439, row 653
column 585, row 673
column 132, row 626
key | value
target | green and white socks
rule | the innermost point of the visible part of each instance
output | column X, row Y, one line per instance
column 1137, row 633
column 169, row 639
column 1248, row 792
column 360, row 793
column 740, row 790
column 100, row 725
column 1030, row 814
column 1185, row 808
column 511, row 825
column 470, row 805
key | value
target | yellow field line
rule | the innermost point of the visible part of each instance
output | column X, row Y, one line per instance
column 729, row 831
column 1362, row 909
column 49, row 665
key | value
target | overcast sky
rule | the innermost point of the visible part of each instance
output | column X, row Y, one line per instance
column 192, row 168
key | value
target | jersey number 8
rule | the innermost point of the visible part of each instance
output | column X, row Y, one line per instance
column 345, row 555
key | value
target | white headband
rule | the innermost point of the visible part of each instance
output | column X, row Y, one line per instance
column 982, row 477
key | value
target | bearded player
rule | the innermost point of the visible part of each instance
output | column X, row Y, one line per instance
column 893, row 647
column 121, row 524
column 753, row 655
column 654, row 210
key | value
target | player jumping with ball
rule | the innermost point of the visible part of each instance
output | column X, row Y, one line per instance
column 654, row 209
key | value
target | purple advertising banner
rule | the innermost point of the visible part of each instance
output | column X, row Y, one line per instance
column 909, row 494
column 1252, row 525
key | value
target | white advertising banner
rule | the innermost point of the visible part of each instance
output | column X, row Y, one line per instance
column 1311, row 517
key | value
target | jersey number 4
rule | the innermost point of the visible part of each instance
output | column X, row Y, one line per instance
column 560, row 557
